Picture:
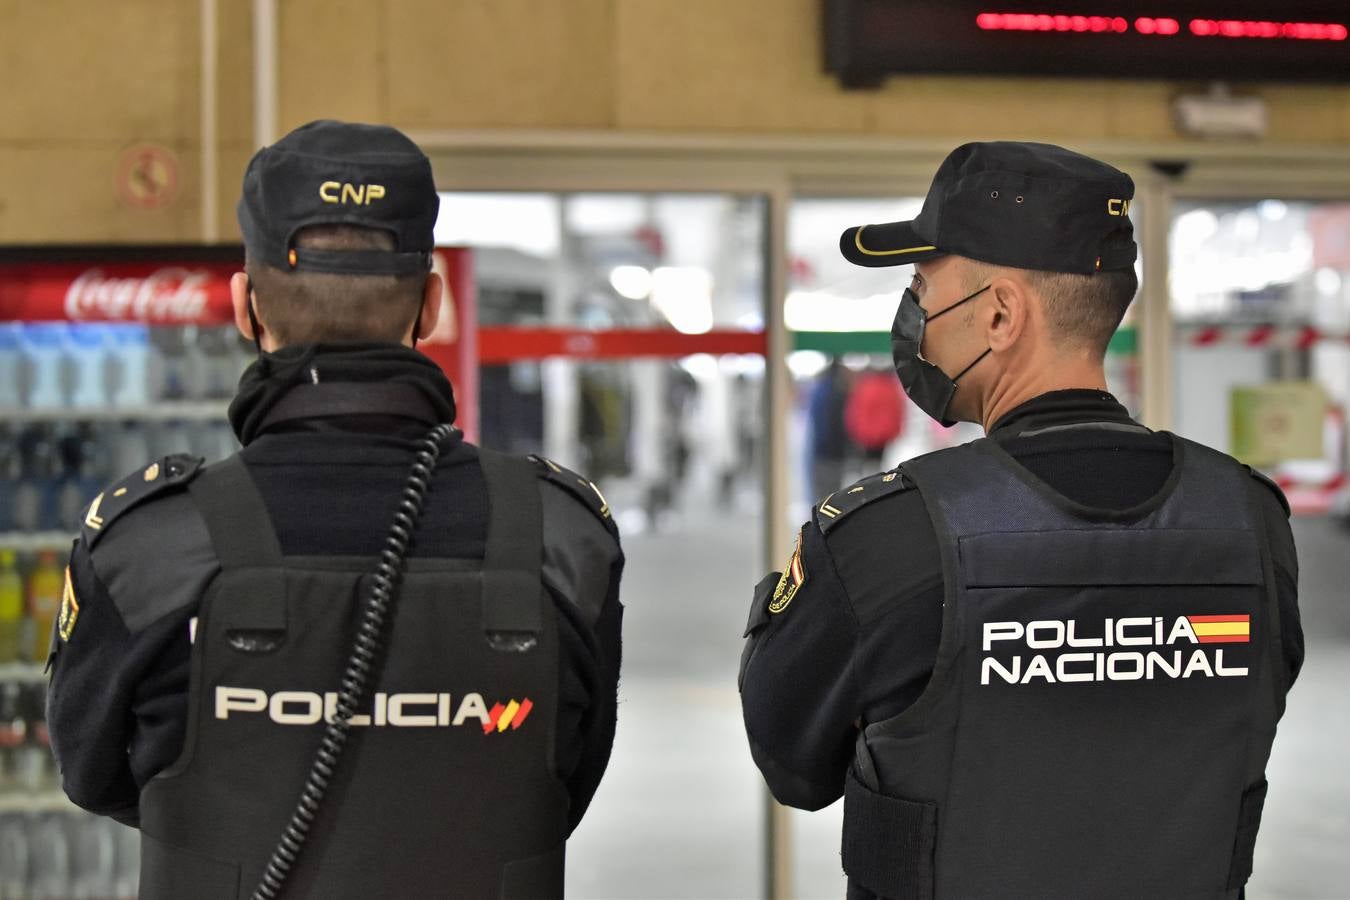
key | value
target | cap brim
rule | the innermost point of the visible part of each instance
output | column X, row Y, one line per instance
column 891, row 244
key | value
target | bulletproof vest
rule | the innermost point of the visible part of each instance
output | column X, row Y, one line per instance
column 1104, row 697
column 447, row 786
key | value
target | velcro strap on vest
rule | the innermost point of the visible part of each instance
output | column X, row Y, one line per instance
column 889, row 843
column 255, row 600
column 512, row 602
column 1109, row 557
column 1244, row 846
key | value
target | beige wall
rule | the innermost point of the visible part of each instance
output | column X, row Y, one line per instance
column 84, row 80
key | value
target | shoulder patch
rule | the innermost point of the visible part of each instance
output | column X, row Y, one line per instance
column 155, row 479
column 1275, row 488
column 790, row 582
column 70, row 609
column 582, row 488
column 836, row 507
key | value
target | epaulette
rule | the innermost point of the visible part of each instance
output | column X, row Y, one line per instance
column 170, row 472
column 582, row 488
column 836, row 507
column 1270, row 483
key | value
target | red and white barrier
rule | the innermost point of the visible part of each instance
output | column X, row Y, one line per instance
column 1261, row 336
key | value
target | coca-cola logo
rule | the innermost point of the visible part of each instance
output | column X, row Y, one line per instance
column 165, row 295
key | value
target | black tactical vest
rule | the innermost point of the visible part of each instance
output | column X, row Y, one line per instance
column 1103, row 702
column 446, row 788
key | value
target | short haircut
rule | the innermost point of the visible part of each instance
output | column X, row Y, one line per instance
column 1084, row 310
column 302, row 307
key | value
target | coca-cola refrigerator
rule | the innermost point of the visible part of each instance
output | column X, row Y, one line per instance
column 109, row 358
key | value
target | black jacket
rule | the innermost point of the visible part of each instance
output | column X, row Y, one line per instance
column 117, row 703
column 859, row 640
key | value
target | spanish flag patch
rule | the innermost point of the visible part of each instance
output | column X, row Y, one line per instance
column 791, row 581
column 1221, row 629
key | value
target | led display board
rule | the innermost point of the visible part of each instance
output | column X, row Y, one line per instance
column 1225, row 40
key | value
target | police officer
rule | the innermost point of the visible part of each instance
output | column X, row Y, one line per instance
column 238, row 635
column 1048, row 663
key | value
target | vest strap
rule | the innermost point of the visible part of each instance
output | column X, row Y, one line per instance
column 236, row 516
column 245, row 545
column 512, row 585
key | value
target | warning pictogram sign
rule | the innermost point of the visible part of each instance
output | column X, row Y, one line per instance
column 147, row 176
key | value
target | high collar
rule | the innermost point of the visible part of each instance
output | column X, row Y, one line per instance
column 1069, row 407
column 273, row 375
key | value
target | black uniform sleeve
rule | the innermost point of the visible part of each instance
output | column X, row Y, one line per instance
column 116, row 707
column 799, row 690
column 583, row 566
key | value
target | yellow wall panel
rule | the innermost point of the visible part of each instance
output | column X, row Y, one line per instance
column 1305, row 114
column 84, row 80
column 1141, row 110
column 991, row 108
column 328, row 61
column 78, row 71
column 748, row 65
column 234, row 71
column 500, row 63
column 68, row 194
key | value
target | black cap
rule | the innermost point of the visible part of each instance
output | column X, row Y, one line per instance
column 1029, row 206
column 339, row 173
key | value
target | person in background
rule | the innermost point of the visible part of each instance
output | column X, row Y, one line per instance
column 829, row 443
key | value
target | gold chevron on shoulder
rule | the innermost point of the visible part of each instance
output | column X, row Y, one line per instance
column 827, row 510
column 92, row 518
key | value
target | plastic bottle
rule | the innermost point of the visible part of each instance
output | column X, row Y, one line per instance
column 44, row 603
column 11, row 365
column 11, row 608
column 13, row 733
column 77, row 449
column 93, row 870
column 35, row 768
column 132, row 450
column 196, row 362
column 87, row 348
column 49, row 860
column 43, row 345
column 134, row 366
column 128, row 846
column 35, row 497
column 11, row 469
column 221, row 372
column 13, row 857
column 170, row 345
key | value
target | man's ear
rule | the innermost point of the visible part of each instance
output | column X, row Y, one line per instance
column 239, row 297
column 1011, row 308
column 431, row 306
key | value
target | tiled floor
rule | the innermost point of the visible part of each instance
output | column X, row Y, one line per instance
column 679, row 814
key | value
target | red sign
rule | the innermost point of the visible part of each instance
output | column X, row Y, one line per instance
column 174, row 294
column 505, row 345
column 1164, row 27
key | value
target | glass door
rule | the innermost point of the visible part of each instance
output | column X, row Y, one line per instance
column 622, row 334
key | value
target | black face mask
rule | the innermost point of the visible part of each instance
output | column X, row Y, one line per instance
column 926, row 384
